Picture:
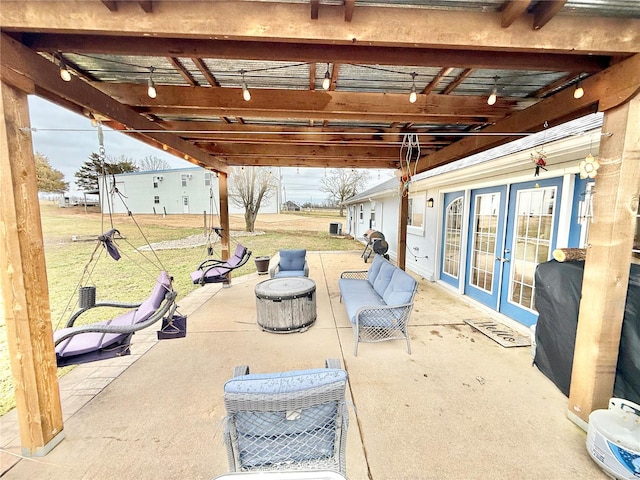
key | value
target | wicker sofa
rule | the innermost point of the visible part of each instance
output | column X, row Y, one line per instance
column 378, row 302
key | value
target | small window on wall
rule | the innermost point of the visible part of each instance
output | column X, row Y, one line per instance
column 184, row 180
column 207, row 179
column 415, row 215
column 156, row 199
column 155, row 183
column 361, row 213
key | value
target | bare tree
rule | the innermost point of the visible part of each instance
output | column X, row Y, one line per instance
column 151, row 163
column 341, row 183
column 248, row 188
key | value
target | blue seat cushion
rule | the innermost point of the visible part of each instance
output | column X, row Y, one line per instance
column 357, row 293
column 284, row 382
column 289, row 273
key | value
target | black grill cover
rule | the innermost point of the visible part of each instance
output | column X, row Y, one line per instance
column 558, row 292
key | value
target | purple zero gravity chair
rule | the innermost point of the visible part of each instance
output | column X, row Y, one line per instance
column 215, row 271
column 111, row 338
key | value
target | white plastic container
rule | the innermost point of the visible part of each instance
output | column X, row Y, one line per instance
column 613, row 439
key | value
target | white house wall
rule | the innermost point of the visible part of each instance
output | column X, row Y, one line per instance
column 140, row 190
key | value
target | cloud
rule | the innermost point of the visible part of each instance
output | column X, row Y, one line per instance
column 68, row 140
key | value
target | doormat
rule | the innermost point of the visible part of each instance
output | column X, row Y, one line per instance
column 501, row 334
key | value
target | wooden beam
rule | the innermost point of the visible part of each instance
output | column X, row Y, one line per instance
column 309, row 104
column 45, row 76
column 223, row 195
column 418, row 27
column 512, row 10
column 349, row 7
column 553, row 85
column 392, row 134
column 267, row 150
column 606, row 269
column 335, row 71
column 316, row 162
column 186, row 75
column 403, row 214
column 603, row 91
column 436, row 80
column 146, row 5
column 112, row 5
column 312, row 76
column 545, row 11
column 23, row 277
column 304, row 52
column 459, row 79
column 205, row 71
column 315, row 4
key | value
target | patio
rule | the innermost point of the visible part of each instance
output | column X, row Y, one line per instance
column 460, row 406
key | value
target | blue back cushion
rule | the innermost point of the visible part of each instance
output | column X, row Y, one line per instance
column 374, row 269
column 383, row 278
column 292, row 259
column 400, row 290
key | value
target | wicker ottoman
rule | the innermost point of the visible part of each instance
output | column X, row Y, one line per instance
column 286, row 305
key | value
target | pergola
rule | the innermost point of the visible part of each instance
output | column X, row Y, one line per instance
column 203, row 56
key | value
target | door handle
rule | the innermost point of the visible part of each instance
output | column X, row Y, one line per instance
column 502, row 259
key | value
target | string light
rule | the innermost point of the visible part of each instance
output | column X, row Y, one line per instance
column 246, row 94
column 494, row 93
column 151, row 87
column 326, row 82
column 65, row 74
column 579, row 91
column 413, row 96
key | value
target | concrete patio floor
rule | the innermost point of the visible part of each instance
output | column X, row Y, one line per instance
column 459, row 407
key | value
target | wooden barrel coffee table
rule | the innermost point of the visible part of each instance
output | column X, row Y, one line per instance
column 286, row 305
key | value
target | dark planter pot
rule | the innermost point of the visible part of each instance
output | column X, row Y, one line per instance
column 262, row 265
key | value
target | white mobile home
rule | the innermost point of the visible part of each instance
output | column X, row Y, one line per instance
column 191, row 190
column 482, row 225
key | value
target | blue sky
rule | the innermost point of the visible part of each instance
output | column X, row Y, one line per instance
column 68, row 139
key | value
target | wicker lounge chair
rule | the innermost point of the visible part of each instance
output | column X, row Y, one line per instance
column 289, row 421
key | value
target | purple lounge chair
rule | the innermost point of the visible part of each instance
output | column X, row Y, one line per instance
column 215, row 271
column 111, row 338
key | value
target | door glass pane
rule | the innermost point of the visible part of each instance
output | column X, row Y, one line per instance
column 485, row 231
column 531, row 241
column 453, row 235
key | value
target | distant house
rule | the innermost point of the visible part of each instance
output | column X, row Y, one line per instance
column 290, row 206
column 182, row 190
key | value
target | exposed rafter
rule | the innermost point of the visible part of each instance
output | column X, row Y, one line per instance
column 303, row 52
column 512, row 10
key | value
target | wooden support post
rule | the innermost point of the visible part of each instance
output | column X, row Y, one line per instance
column 606, row 272
column 23, row 275
column 402, row 230
column 224, row 214
column 224, row 220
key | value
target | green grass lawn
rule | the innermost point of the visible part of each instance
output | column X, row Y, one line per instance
column 132, row 278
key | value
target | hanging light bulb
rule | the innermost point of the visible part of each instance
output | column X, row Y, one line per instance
column 246, row 94
column 65, row 74
column 579, row 91
column 413, row 96
column 326, row 82
column 151, row 87
column 494, row 93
